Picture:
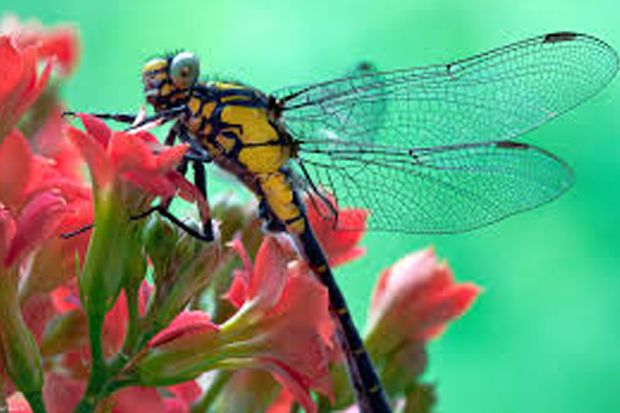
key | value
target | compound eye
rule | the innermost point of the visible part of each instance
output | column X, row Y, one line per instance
column 184, row 69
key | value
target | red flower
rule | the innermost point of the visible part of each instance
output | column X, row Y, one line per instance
column 55, row 262
column 31, row 212
column 20, row 85
column 292, row 318
column 339, row 243
column 60, row 43
column 412, row 303
column 149, row 400
column 282, row 326
column 51, row 141
column 135, row 157
column 185, row 325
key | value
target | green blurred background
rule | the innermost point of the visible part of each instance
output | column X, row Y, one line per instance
column 544, row 336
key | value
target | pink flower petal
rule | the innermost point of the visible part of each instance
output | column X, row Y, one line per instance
column 340, row 245
column 170, row 157
column 175, row 406
column 62, row 393
column 37, row 312
column 413, row 302
column 184, row 325
column 93, row 151
column 114, row 325
column 238, row 291
column 18, row 404
column 129, row 153
column 96, row 128
column 189, row 391
column 37, row 222
column 151, row 183
column 269, row 274
column 446, row 306
column 11, row 68
column 62, row 44
column 292, row 382
column 138, row 400
column 16, row 161
column 36, row 88
column 65, row 299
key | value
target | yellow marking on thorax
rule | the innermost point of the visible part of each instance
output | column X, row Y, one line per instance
column 227, row 143
column 211, row 148
column 208, row 109
column 194, row 105
column 255, row 123
column 257, row 130
column 166, row 89
column 237, row 98
column 197, row 115
column 225, row 85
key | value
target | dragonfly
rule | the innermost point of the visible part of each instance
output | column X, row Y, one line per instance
column 429, row 149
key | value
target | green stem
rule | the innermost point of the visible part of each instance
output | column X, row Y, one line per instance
column 3, row 383
column 95, row 332
column 88, row 404
column 98, row 373
column 35, row 400
column 220, row 380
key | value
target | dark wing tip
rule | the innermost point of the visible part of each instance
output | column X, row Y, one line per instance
column 560, row 37
column 511, row 145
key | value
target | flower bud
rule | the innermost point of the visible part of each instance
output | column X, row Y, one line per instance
column 159, row 238
column 22, row 360
column 189, row 268
column 188, row 347
column 114, row 257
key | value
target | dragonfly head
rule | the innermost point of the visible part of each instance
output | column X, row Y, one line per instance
column 168, row 80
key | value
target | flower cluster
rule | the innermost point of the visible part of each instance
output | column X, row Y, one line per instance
column 135, row 315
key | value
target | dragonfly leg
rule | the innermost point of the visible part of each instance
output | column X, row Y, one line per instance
column 198, row 159
column 76, row 232
column 162, row 209
column 117, row 117
column 200, row 180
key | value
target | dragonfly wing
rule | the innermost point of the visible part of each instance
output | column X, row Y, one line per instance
column 496, row 95
column 435, row 190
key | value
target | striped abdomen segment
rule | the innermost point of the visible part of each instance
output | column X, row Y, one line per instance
column 367, row 386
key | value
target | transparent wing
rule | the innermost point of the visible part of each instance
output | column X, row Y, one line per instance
column 432, row 190
column 496, row 95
